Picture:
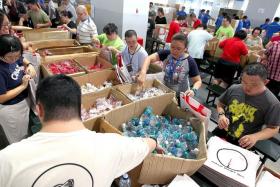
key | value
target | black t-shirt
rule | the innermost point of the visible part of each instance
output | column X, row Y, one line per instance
column 10, row 78
column 193, row 69
column 160, row 20
column 72, row 25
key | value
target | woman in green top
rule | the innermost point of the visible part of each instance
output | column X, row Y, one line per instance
column 254, row 39
column 110, row 39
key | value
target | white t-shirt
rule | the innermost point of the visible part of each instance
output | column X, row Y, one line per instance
column 86, row 30
column 136, row 60
column 83, row 158
column 197, row 40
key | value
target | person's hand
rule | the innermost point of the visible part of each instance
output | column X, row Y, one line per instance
column 25, row 80
column 38, row 26
column 30, row 70
column 223, row 122
column 95, row 41
column 248, row 141
column 189, row 93
column 159, row 149
column 141, row 78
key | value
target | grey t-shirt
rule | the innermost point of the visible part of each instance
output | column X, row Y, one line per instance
column 248, row 114
column 136, row 60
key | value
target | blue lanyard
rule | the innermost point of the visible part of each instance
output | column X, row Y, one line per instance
column 172, row 65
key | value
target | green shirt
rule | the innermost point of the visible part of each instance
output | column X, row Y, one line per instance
column 38, row 17
column 224, row 32
column 117, row 43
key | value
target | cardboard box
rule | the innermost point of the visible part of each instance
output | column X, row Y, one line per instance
column 45, row 34
column 131, row 88
column 98, row 78
column 67, row 50
column 47, row 72
column 48, row 44
column 212, row 46
column 89, row 100
column 156, row 168
column 86, row 61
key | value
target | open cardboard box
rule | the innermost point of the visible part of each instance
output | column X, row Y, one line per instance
column 89, row 100
column 156, row 168
column 98, row 78
column 67, row 50
column 56, row 43
column 45, row 34
column 47, row 72
column 86, row 61
column 131, row 88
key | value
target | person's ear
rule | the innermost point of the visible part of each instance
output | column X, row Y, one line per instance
column 40, row 111
column 266, row 81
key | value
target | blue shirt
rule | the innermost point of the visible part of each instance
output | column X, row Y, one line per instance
column 272, row 28
column 219, row 21
column 246, row 24
column 264, row 26
column 200, row 15
column 240, row 26
column 205, row 19
column 181, row 13
column 10, row 78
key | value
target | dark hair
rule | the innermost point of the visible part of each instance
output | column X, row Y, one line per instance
column 276, row 19
column 245, row 17
column 257, row 28
column 203, row 26
column 2, row 15
column 151, row 3
column 207, row 10
column 202, row 10
column 160, row 9
column 224, row 14
column 65, row 13
column 236, row 17
column 31, row 1
column 60, row 97
column 180, row 37
column 130, row 33
column 256, row 69
column 267, row 20
column 110, row 28
column 8, row 44
column 181, row 18
column 241, row 34
column 192, row 15
column 228, row 18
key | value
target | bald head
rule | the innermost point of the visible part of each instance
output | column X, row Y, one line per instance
column 82, row 12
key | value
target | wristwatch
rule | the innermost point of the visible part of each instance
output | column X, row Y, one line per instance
column 221, row 114
column 194, row 91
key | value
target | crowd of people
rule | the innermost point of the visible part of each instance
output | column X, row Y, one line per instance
column 243, row 108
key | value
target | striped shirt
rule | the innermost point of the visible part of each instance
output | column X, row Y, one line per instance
column 86, row 30
column 273, row 65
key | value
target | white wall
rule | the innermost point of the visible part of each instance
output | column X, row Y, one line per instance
column 108, row 11
column 132, row 19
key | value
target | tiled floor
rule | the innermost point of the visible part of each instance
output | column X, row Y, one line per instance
column 201, row 97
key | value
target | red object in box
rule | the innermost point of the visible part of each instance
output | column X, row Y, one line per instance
column 140, row 41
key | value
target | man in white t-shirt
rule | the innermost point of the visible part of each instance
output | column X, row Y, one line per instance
column 197, row 40
column 64, row 152
column 86, row 29
column 133, row 54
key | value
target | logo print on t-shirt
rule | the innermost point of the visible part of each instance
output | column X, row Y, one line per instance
column 16, row 72
column 65, row 175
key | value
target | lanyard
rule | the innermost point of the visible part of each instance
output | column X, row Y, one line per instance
column 130, row 56
column 173, row 65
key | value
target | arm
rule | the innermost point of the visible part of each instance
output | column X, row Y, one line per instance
column 43, row 25
column 196, row 85
column 150, row 59
column 223, row 121
column 72, row 30
column 29, row 68
column 16, row 91
column 22, row 19
column 250, row 140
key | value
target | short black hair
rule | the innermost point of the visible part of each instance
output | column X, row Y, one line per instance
column 224, row 14
column 179, row 18
column 276, row 19
column 130, row 33
column 110, row 28
column 160, row 9
column 203, row 26
column 60, row 97
column 228, row 18
column 66, row 13
column 180, row 37
column 256, row 69
column 192, row 15
column 267, row 19
column 245, row 17
column 241, row 34
column 8, row 44
column 2, row 15
column 202, row 10
column 257, row 28
column 236, row 17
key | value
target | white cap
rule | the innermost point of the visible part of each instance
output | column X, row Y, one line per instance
column 125, row 176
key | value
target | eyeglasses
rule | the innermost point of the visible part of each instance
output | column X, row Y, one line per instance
column 11, row 57
column 6, row 25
